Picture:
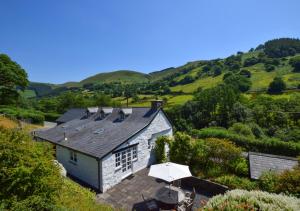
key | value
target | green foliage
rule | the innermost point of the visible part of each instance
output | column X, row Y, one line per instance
column 159, row 149
column 33, row 116
column 209, row 106
column 181, row 149
column 289, row 182
column 241, row 129
column 268, row 181
column 251, row 61
column 239, row 82
column 75, row 197
column 241, row 200
column 29, row 178
column 277, row 86
column 283, row 47
column 235, row 182
column 265, row 145
column 12, row 76
column 295, row 63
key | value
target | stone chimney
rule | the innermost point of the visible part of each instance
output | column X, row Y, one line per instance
column 156, row 104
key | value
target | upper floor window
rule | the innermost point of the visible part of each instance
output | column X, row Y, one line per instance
column 73, row 156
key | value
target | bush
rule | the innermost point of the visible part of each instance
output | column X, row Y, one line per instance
column 289, row 182
column 277, row 86
column 159, row 149
column 295, row 62
column 51, row 117
column 268, row 181
column 241, row 129
column 265, row 145
column 34, row 117
column 235, row 182
column 252, row 200
column 29, row 178
column 181, row 149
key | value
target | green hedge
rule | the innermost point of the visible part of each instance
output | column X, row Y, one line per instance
column 265, row 145
column 36, row 117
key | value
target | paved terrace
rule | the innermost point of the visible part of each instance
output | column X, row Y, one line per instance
column 128, row 194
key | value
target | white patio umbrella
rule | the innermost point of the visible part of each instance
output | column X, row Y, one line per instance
column 169, row 171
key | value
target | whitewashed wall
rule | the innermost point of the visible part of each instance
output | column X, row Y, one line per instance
column 86, row 168
column 159, row 126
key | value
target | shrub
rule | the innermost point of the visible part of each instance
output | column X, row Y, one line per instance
column 289, row 182
column 235, row 182
column 277, row 86
column 181, row 148
column 268, row 181
column 252, row 200
column 159, row 149
column 265, row 145
column 241, row 129
column 295, row 62
column 29, row 178
column 51, row 116
column 35, row 117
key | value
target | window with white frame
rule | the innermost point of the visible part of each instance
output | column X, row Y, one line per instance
column 124, row 158
column 73, row 156
column 134, row 152
column 118, row 159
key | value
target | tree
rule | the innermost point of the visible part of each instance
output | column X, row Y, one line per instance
column 12, row 77
column 240, row 82
column 295, row 62
column 128, row 93
column 282, row 47
column 277, row 86
column 29, row 178
column 181, row 149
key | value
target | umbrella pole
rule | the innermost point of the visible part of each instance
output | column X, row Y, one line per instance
column 169, row 189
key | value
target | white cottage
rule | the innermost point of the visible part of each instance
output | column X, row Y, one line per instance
column 103, row 146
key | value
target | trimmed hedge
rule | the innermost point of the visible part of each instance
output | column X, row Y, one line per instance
column 264, row 145
column 35, row 117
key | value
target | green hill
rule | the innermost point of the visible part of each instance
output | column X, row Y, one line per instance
column 122, row 76
column 263, row 63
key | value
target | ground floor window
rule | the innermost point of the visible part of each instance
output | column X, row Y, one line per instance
column 124, row 158
column 73, row 156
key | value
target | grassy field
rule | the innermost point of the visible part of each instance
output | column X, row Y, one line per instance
column 204, row 83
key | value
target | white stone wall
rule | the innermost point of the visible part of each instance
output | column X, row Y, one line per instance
column 159, row 126
column 86, row 168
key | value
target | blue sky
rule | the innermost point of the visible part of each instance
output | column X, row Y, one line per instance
column 67, row 40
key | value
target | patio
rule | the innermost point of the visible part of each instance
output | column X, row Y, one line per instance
column 128, row 194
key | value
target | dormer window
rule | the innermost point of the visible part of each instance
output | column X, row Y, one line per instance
column 125, row 112
column 102, row 115
column 105, row 112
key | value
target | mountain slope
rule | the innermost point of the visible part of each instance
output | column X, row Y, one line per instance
column 123, row 76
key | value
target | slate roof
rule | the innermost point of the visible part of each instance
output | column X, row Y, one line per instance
column 97, row 137
column 74, row 113
column 260, row 163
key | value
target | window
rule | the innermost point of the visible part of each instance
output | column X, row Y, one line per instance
column 73, row 156
column 134, row 152
column 123, row 159
column 118, row 159
column 122, row 116
column 149, row 143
